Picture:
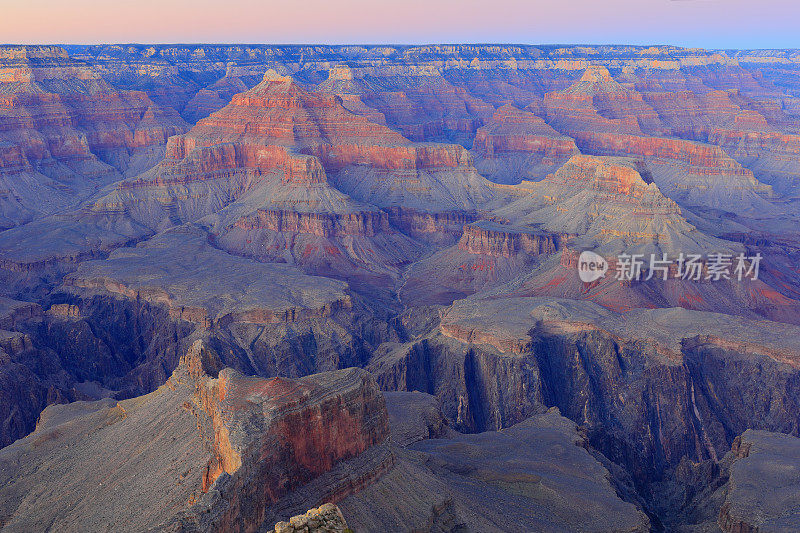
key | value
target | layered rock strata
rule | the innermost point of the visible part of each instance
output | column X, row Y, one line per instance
column 517, row 145
column 649, row 385
column 236, row 435
column 65, row 132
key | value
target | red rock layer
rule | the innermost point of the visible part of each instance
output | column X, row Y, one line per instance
column 701, row 158
column 64, row 132
column 277, row 125
column 612, row 179
column 77, row 123
column 273, row 435
column 279, row 111
column 512, row 130
column 745, row 143
column 497, row 241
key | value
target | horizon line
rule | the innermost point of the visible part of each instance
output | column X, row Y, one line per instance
column 406, row 45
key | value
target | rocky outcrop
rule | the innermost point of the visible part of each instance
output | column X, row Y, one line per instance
column 689, row 172
column 643, row 391
column 597, row 102
column 442, row 227
column 240, row 450
column 608, row 203
column 487, row 255
column 13, row 312
column 271, row 436
column 327, row 518
column 414, row 416
column 435, row 482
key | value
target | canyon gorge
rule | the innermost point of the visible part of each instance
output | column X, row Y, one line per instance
column 336, row 288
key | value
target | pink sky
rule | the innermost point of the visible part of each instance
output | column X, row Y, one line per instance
column 703, row 23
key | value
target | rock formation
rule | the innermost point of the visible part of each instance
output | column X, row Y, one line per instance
column 609, row 204
column 521, row 474
column 244, row 444
column 65, row 132
column 762, row 482
column 691, row 173
column 325, row 519
column 517, row 145
column 597, row 102
column 649, row 385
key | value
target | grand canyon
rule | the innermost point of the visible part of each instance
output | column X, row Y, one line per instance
column 338, row 288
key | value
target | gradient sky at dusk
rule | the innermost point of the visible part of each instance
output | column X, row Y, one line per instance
column 701, row 23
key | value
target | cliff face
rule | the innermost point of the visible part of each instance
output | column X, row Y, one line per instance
column 321, row 225
column 762, row 465
column 493, row 362
column 497, row 240
column 237, row 434
column 264, row 427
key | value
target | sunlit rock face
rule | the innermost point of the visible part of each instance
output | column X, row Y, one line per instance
column 602, row 198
